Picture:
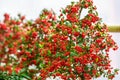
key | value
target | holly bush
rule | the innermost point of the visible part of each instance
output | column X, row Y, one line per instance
column 66, row 46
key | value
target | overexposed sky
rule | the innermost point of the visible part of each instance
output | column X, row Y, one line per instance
column 108, row 9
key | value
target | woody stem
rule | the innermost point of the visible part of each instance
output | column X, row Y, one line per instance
column 79, row 14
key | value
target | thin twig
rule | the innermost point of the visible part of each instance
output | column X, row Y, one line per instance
column 79, row 14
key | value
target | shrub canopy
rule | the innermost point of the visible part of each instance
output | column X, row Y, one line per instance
column 66, row 46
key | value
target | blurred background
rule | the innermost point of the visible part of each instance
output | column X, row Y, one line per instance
column 108, row 10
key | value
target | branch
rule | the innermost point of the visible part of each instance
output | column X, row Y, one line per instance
column 79, row 14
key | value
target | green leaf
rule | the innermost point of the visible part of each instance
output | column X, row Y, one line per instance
column 30, row 50
column 21, row 78
column 73, row 53
column 68, row 23
column 96, row 13
column 49, row 53
column 72, row 2
column 58, row 54
column 64, row 12
column 23, row 70
column 23, row 39
column 10, row 45
column 37, row 44
column 116, row 70
column 13, row 73
column 68, row 47
column 30, row 23
column 41, row 65
column 39, row 79
column 16, row 27
column 24, row 75
column 90, row 11
column 65, row 57
column 40, row 45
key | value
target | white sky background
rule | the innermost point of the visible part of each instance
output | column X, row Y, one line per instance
column 108, row 9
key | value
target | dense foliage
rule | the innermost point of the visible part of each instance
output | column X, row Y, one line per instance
column 67, row 46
